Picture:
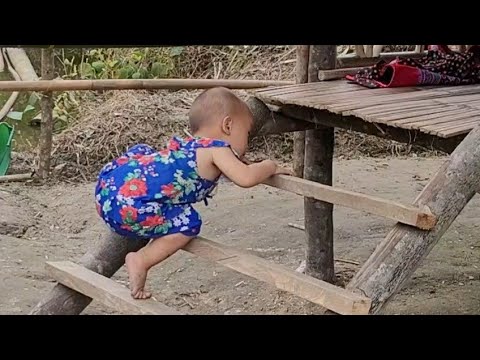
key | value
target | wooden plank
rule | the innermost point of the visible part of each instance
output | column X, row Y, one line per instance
column 353, row 123
column 277, row 90
column 317, row 291
column 371, row 110
column 334, row 97
column 104, row 290
column 452, row 124
column 417, row 124
column 387, row 118
column 410, row 96
column 325, row 75
column 311, row 93
column 421, row 218
column 457, row 130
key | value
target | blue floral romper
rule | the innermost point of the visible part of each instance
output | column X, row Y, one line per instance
column 146, row 194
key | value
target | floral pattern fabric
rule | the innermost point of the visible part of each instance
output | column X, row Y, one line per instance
column 147, row 194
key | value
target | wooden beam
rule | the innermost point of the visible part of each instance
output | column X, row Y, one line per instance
column 319, row 292
column 398, row 256
column 134, row 84
column 105, row 257
column 319, row 145
column 104, row 290
column 410, row 215
column 301, row 77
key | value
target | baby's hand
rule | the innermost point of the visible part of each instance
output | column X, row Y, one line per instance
column 284, row 171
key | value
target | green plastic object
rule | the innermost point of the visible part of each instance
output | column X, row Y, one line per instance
column 6, row 136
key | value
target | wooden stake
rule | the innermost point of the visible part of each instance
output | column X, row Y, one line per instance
column 398, row 256
column 127, row 84
column 318, row 167
column 303, row 52
column 46, row 102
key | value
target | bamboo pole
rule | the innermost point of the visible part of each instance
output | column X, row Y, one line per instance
column 46, row 131
column 127, row 84
column 15, row 177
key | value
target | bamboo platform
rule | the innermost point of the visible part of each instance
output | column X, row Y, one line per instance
column 443, row 112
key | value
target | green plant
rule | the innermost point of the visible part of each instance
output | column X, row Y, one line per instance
column 29, row 108
column 143, row 63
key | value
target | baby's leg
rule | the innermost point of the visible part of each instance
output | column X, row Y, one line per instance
column 138, row 263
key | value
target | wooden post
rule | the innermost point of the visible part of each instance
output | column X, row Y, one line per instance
column 105, row 257
column 46, row 103
column 319, row 145
column 399, row 255
column 299, row 136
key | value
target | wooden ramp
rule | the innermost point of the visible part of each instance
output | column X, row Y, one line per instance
column 436, row 110
column 104, row 290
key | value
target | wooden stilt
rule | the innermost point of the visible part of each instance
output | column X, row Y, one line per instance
column 319, row 145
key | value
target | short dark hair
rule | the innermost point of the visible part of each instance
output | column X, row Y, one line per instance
column 213, row 104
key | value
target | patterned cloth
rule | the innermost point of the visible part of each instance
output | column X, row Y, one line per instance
column 440, row 66
column 146, row 194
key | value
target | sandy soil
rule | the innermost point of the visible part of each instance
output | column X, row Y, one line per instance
column 58, row 222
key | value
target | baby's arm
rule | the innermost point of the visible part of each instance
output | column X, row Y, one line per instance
column 242, row 174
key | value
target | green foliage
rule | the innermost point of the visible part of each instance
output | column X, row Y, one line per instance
column 142, row 63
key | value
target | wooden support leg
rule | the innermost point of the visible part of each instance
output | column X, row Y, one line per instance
column 400, row 254
column 303, row 52
column 105, row 258
column 319, row 214
column 318, row 167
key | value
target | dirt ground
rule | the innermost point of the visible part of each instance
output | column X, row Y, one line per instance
column 58, row 222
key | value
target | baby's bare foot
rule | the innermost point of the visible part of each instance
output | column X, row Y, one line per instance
column 137, row 275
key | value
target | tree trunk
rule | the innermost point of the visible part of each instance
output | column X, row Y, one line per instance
column 319, row 146
column 399, row 255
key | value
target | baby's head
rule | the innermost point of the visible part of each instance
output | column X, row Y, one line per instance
column 218, row 113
